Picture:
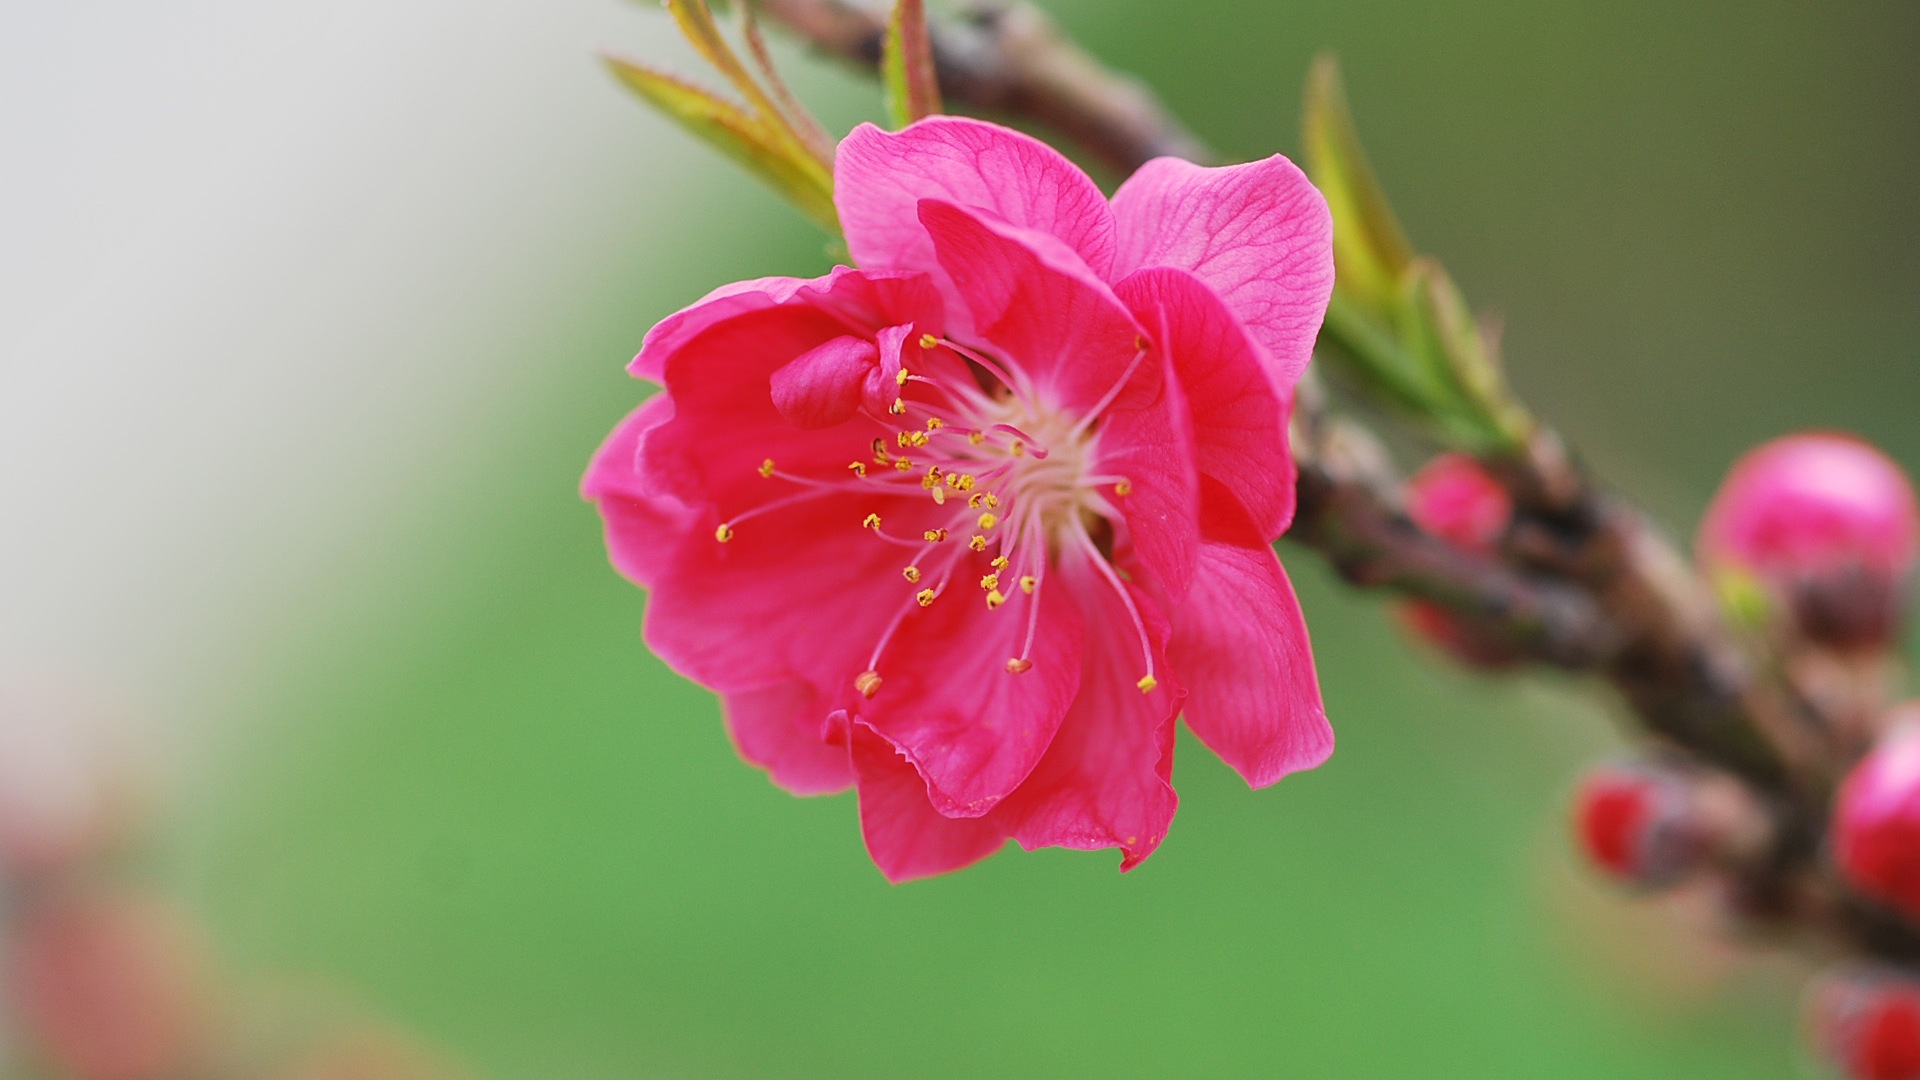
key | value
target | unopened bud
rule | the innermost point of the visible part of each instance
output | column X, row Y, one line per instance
column 1453, row 498
column 1641, row 822
column 1824, row 526
column 1876, row 823
column 1866, row 1024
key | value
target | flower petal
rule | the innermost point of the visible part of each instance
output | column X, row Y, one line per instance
column 1239, row 413
column 1258, row 234
column 1240, row 646
column 1105, row 781
column 778, row 728
column 1152, row 447
column 1053, row 321
column 948, row 703
column 795, row 593
column 865, row 299
column 880, row 177
column 643, row 529
column 905, row 836
column 824, row 385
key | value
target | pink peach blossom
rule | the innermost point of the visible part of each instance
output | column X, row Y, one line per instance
column 969, row 526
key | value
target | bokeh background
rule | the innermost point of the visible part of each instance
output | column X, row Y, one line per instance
column 310, row 316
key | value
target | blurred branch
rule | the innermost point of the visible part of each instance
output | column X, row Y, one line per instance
column 1010, row 59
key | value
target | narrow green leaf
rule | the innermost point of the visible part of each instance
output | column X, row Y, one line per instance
column 1370, row 250
column 738, row 134
column 907, row 72
column 703, row 31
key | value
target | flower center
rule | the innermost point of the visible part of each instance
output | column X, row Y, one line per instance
column 1010, row 478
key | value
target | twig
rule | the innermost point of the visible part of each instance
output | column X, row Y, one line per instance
column 1013, row 60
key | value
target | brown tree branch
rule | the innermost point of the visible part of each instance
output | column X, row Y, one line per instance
column 1011, row 59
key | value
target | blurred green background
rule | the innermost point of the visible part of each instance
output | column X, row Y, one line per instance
column 441, row 768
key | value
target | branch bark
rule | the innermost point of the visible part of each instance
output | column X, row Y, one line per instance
column 1011, row 59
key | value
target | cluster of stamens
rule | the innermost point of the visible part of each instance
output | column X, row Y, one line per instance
column 1014, row 475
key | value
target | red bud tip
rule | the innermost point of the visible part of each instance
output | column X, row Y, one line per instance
column 1876, row 823
column 1639, row 823
column 1867, row 1025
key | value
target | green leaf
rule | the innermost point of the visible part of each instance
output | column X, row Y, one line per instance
column 762, row 147
column 907, row 72
column 700, row 28
column 1370, row 250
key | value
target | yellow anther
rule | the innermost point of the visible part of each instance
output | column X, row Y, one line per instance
column 859, row 468
column 901, row 439
column 990, row 582
column 868, row 683
column 991, row 500
column 1019, row 448
column 900, row 377
column 939, row 495
column 1123, row 487
column 928, row 341
column 903, row 464
column 988, row 521
column 912, row 574
column 978, row 543
column 975, row 501
column 934, row 423
column 925, row 597
column 872, row 521
column 976, row 438
column 1019, row 666
column 724, row 533
column 766, row 468
column 880, row 449
column 1028, row 583
column 916, row 438
column 898, row 408
column 1147, row 683
column 995, row 599
column 934, row 536
column 966, row 481
column 999, row 561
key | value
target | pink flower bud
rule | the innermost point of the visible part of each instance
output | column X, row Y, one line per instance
column 1876, row 823
column 1824, row 523
column 1453, row 498
column 1867, row 1025
column 1639, row 823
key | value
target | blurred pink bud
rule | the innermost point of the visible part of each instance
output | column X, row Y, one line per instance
column 1876, row 822
column 1639, row 822
column 66, row 791
column 1826, row 524
column 1867, row 1024
column 109, row 989
column 1453, row 498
